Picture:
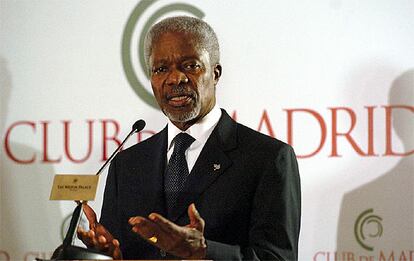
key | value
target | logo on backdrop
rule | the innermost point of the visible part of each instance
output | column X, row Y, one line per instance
column 129, row 49
column 367, row 225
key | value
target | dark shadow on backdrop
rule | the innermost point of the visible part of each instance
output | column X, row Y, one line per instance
column 391, row 196
column 29, row 221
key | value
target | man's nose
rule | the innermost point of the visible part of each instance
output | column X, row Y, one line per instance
column 176, row 77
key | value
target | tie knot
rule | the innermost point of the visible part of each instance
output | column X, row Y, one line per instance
column 182, row 141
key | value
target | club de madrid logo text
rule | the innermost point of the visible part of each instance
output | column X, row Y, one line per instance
column 367, row 225
column 127, row 47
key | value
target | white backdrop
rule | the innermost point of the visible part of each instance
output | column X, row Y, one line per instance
column 338, row 75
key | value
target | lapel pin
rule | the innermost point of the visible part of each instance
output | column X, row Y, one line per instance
column 216, row 167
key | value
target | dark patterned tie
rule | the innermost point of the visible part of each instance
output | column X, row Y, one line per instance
column 177, row 170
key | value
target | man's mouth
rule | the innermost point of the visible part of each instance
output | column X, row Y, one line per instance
column 179, row 101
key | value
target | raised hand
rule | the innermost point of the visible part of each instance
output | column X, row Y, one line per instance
column 181, row 241
column 98, row 237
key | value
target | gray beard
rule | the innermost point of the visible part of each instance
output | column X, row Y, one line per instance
column 183, row 117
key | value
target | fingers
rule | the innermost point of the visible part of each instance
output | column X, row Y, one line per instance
column 181, row 241
column 99, row 238
column 93, row 240
column 101, row 231
column 196, row 221
column 145, row 228
column 115, row 249
column 90, row 215
column 87, row 237
column 158, row 231
column 161, row 227
column 166, row 225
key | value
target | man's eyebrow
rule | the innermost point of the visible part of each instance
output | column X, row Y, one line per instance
column 182, row 59
column 189, row 58
column 161, row 61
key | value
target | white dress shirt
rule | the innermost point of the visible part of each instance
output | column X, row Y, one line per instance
column 200, row 131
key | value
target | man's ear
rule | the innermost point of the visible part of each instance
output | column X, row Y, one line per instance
column 217, row 73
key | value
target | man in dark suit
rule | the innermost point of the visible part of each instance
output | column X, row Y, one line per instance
column 205, row 187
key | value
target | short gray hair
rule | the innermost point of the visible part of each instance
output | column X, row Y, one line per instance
column 202, row 32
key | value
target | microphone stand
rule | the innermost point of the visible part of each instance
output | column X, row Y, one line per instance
column 67, row 251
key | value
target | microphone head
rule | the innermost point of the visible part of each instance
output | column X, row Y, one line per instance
column 138, row 125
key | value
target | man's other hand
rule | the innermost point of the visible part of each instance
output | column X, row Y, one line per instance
column 181, row 241
column 98, row 237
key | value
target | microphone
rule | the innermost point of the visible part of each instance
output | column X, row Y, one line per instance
column 136, row 127
column 67, row 251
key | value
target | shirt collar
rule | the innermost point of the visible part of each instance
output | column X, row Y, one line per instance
column 200, row 131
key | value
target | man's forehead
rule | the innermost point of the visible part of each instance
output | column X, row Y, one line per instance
column 167, row 56
column 177, row 36
column 177, row 44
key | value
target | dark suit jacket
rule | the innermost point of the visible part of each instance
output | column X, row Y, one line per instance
column 244, row 184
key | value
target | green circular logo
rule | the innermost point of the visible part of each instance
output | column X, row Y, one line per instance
column 367, row 218
column 133, row 19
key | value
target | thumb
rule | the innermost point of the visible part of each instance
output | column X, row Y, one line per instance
column 196, row 221
column 90, row 215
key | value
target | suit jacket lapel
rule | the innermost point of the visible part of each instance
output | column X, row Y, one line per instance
column 211, row 163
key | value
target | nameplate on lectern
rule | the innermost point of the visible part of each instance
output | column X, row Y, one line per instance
column 74, row 187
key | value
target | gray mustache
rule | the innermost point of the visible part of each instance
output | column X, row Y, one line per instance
column 179, row 90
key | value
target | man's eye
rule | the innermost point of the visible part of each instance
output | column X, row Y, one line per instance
column 191, row 66
column 160, row 69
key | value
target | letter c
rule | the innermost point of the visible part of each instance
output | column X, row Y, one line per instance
column 7, row 142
